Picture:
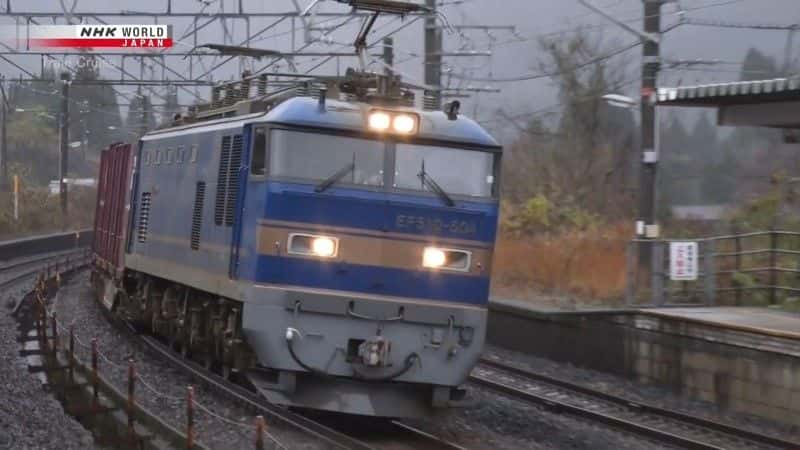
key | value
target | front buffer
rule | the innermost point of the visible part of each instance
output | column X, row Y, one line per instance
column 376, row 356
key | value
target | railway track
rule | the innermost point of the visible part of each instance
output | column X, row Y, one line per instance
column 659, row 424
column 19, row 270
column 27, row 269
column 406, row 436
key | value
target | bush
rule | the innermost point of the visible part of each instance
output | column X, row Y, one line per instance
column 587, row 264
column 538, row 214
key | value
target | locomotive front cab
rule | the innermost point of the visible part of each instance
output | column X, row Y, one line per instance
column 372, row 232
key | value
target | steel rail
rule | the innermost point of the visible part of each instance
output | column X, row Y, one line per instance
column 643, row 407
column 438, row 442
column 287, row 417
column 248, row 398
column 593, row 415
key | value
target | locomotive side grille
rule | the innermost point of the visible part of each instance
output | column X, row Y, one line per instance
column 233, row 179
column 197, row 214
column 144, row 217
column 222, row 180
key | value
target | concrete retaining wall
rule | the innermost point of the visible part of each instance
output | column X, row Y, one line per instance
column 739, row 371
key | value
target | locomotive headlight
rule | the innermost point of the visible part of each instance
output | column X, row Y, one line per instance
column 379, row 121
column 433, row 257
column 396, row 122
column 404, row 123
column 323, row 246
column 313, row 245
column 447, row 259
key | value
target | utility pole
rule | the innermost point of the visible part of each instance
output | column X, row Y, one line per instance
column 4, row 138
column 646, row 224
column 64, row 145
column 433, row 54
column 145, row 105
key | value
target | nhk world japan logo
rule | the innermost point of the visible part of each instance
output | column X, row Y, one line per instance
column 101, row 36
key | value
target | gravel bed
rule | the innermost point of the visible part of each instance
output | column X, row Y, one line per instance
column 30, row 417
column 653, row 394
column 75, row 304
column 491, row 422
column 500, row 422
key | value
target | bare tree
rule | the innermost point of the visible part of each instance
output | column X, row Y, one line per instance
column 586, row 158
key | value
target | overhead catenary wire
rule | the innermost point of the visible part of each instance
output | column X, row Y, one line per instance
column 546, row 74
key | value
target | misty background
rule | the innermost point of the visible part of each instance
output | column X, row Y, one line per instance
column 564, row 145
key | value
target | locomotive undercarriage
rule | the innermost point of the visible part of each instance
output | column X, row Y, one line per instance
column 200, row 326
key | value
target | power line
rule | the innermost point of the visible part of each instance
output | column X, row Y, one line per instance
column 538, row 75
column 720, row 24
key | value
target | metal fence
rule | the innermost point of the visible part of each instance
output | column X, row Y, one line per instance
column 758, row 269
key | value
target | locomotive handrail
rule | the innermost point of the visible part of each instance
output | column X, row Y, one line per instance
column 352, row 313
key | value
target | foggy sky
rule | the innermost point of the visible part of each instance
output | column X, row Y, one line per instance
column 531, row 17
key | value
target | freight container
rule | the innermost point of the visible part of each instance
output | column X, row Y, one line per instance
column 113, row 205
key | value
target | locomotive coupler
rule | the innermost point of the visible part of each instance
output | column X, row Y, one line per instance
column 374, row 352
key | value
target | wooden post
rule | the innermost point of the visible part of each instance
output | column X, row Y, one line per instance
column 131, row 401
column 72, row 353
column 95, row 377
column 189, row 418
column 259, row 432
column 738, row 243
column 16, row 194
column 773, row 265
column 42, row 323
column 54, row 332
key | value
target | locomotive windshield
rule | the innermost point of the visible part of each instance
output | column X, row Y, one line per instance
column 314, row 156
column 332, row 159
column 458, row 172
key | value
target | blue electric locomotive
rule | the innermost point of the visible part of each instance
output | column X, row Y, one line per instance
column 336, row 253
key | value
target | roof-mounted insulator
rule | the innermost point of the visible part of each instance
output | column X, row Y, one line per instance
column 323, row 93
column 431, row 100
column 245, row 85
column 262, row 85
column 215, row 97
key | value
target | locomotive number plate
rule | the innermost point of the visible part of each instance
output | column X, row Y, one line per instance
column 435, row 225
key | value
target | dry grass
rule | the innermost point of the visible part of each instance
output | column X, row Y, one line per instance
column 40, row 213
column 575, row 266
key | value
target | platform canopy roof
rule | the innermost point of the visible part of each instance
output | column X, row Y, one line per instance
column 764, row 103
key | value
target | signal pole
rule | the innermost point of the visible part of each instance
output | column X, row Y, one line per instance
column 64, row 144
column 433, row 53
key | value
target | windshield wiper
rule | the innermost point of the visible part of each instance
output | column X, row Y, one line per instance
column 336, row 177
column 427, row 180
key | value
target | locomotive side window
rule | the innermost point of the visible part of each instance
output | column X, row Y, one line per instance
column 314, row 156
column 258, row 163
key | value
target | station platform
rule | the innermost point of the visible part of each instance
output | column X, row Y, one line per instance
column 742, row 359
column 754, row 320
